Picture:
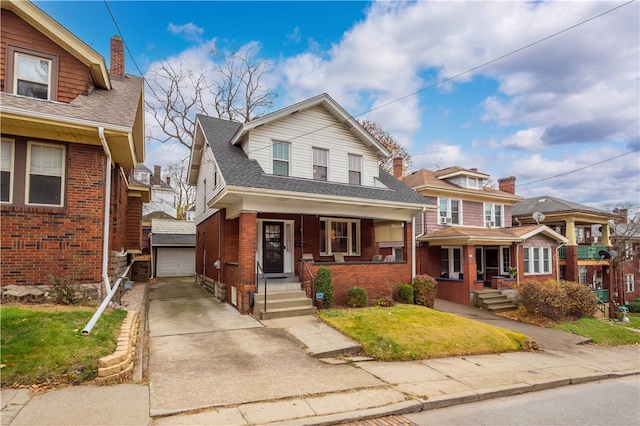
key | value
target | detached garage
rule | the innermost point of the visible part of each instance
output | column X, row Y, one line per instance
column 173, row 248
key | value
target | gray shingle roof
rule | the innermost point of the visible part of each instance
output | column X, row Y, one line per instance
column 238, row 170
column 173, row 240
column 546, row 204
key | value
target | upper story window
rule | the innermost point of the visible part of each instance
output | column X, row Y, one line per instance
column 31, row 73
column 450, row 211
column 472, row 182
column 355, row 169
column 537, row 260
column 45, row 174
column 320, row 164
column 493, row 215
column 281, row 158
column 6, row 170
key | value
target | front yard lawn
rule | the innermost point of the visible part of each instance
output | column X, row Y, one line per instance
column 409, row 332
column 601, row 332
column 44, row 344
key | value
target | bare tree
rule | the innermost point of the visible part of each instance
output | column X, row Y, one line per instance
column 232, row 89
column 393, row 146
column 625, row 238
column 177, row 172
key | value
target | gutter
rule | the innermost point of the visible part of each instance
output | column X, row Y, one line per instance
column 107, row 218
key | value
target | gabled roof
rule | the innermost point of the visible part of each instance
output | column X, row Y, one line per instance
column 330, row 105
column 167, row 226
column 238, row 170
column 433, row 183
column 456, row 235
column 552, row 205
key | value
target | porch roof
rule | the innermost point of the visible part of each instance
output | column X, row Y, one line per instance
column 459, row 235
column 242, row 174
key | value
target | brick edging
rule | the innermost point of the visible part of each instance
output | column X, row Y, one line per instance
column 120, row 363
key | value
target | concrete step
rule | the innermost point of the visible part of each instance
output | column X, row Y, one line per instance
column 495, row 301
column 282, row 303
column 287, row 312
column 278, row 287
column 502, row 307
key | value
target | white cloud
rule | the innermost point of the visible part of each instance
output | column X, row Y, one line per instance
column 527, row 140
column 295, row 35
column 189, row 31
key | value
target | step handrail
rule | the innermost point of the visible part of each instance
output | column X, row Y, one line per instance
column 258, row 270
column 313, row 290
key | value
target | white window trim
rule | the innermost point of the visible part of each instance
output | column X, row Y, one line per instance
column 40, row 58
column 449, row 211
column 452, row 259
column 503, row 271
column 11, row 170
column 313, row 164
column 328, row 221
column 542, row 250
column 493, row 215
column 629, row 284
column 472, row 182
column 273, row 158
column 349, row 169
column 63, row 176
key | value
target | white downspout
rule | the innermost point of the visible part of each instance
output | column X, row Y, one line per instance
column 107, row 216
column 413, row 247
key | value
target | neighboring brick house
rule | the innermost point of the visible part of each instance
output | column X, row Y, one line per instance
column 625, row 238
column 163, row 196
column 469, row 242
column 72, row 131
column 299, row 183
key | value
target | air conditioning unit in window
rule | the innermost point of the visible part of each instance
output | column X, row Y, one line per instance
column 445, row 220
column 489, row 224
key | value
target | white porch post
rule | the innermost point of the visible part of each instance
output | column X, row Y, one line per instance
column 413, row 247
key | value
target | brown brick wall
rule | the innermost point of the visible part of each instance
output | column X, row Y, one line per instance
column 118, row 216
column 38, row 241
column 134, row 224
column 74, row 77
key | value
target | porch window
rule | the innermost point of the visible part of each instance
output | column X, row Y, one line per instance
column 6, row 170
column 537, row 260
column 320, row 164
column 493, row 215
column 281, row 158
column 628, row 283
column 449, row 211
column 340, row 236
column 45, row 174
column 355, row 169
column 479, row 261
column 450, row 262
column 506, row 260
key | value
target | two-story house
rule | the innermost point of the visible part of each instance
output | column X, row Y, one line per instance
column 72, row 131
column 164, row 199
column 294, row 190
column 469, row 242
column 584, row 257
column 625, row 238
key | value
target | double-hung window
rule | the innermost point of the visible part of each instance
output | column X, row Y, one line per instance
column 450, row 262
column 281, row 158
column 450, row 211
column 45, row 176
column 628, row 283
column 339, row 236
column 505, row 260
column 320, row 164
column 537, row 260
column 6, row 171
column 493, row 215
column 31, row 73
column 355, row 169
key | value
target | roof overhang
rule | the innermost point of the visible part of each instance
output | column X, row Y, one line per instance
column 589, row 218
column 483, row 236
column 468, row 194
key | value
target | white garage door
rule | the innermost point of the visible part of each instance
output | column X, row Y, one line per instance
column 175, row 262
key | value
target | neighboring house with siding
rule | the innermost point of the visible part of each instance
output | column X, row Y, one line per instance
column 469, row 242
column 72, row 131
column 299, row 183
column 172, row 248
column 163, row 196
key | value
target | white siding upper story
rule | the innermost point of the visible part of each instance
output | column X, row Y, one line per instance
column 208, row 186
column 301, row 132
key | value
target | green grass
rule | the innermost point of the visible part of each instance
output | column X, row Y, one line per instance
column 634, row 321
column 41, row 345
column 601, row 332
column 408, row 332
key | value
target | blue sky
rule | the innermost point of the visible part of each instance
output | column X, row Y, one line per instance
column 563, row 104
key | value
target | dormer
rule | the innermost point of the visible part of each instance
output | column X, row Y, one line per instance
column 464, row 178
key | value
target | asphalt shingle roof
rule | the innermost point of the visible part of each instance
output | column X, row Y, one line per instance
column 546, row 204
column 238, row 170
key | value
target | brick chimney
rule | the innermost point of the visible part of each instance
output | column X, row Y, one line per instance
column 156, row 175
column 622, row 216
column 397, row 168
column 117, row 57
column 168, row 179
column 507, row 184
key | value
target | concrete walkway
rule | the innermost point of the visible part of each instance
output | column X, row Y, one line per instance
column 228, row 369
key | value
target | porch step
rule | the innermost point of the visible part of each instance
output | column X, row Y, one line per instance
column 283, row 304
column 494, row 301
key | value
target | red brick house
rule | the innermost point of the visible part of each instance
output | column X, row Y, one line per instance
column 469, row 242
column 72, row 131
column 625, row 237
column 294, row 190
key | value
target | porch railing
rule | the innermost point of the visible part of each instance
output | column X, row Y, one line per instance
column 313, row 286
column 584, row 252
column 258, row 271
column 603, row 298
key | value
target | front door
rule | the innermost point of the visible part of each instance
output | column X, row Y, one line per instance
column 273, row 248
column 492, row 265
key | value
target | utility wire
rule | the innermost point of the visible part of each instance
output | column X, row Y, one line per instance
column 581, row 168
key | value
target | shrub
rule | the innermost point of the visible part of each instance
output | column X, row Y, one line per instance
column 63, row 290
column 357, row 297
column 582, row 301
column 634, row 306
column 546, row 299
column 325, row 285
column 405, row 294
column 424, row 290
column 384, row 301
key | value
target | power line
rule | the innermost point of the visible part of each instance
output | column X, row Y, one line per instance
column 579, row 169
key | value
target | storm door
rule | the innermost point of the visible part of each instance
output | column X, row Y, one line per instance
column 273, row 248
column 492, row 264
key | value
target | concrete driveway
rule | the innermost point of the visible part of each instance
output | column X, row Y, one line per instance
column 204, row 353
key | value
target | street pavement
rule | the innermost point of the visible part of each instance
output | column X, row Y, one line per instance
column 208, row 364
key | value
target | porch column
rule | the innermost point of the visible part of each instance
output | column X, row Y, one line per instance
column 571, row 232
column 469, row 267
column 606, row 241
column 246, row 257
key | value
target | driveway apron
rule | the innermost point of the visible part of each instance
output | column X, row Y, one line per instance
column 204, row 353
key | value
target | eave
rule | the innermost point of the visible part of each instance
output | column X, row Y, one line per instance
column 467, row 194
